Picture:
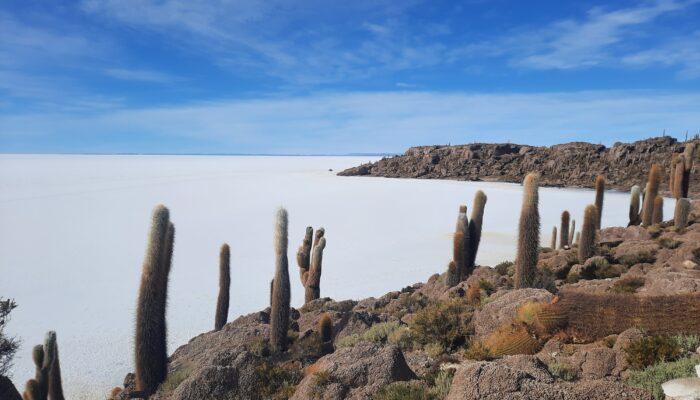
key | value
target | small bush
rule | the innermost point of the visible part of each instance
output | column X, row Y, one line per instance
column 434, row 350
column 478, row 351
column 651, row 378
column 277, row 380
column 563, row 372
column 670, row 243
column 383, row 332
column 8, row 345
column 446, row 322
column 259, row 346
column 441, row 385
column 173, row 380
column 651, row 350
column 628, row 284
column 506, row 268
column 347, row 341
column 639, row 258
column 403, row 391
column 379, row 333
column 688, row 343
column 319, row 381
column 402, row 337
column 486, row 286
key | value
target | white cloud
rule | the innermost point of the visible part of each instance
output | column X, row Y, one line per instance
column 140, row 75
column 683, row 53
column 376, row 122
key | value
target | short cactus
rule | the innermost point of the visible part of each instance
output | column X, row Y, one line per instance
column 47, row 381
column 279, row 314
column 313, row 279
column 460, row 241
column 528, row 234
column 304, row 254
column 658, row 214
column 587, row 244
column 325, row 328
column 681, row 213
column 222, row 301
column 150, row 349
column 452, row 278
column 652, row 190
column 599, row 195
column 475, row 226
column 564, row 231
column 553, row 243
column 634, row 216
column 33, row 391
column 678, row 177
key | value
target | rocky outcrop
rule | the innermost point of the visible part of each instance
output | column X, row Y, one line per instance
column 503, row 308
column 571, row 164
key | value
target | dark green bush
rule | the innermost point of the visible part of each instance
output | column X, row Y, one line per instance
column 651, row 350
column 505, row 268
column 447, row 323
column 651, row 378
column 628, row 284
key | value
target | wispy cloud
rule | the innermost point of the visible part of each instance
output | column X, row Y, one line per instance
column 683, row 53
column 369, row 122
column 140, row 75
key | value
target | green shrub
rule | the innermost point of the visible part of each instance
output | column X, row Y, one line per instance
column 651, row 350
column 383, row 332
column 173, row 380
column 440, row 386
column 347, row 341
column 651, row 378
column 447, row 322
column 486, row 286
column 670, row 243
column 379, row 333
column 639, row 258
column 434, row 350
column 688, row 343
column 563, row 372
column 320, row 380
column 505, row 268
column 403, row 391
column 628, row 284
column 276, row 380
column 478, row 352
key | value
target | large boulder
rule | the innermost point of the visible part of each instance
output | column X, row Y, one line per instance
column 503, row 309
column 357, row 372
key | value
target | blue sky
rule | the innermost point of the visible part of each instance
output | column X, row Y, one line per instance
column 312, row 76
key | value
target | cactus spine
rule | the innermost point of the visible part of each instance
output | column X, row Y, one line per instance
column 475, row 225
column 599, row 195
column 572, row 232
column 304, row 254
column 564, row 232
column 325, row 328
column 313, row 280
column 681, row 213
column 279, row 314
column 652, row 190
column 222, row 300
column 150, row 343
column 586, row 246
column 553, row 244
column 658, row 214
column 634, row 217
column 528, row 234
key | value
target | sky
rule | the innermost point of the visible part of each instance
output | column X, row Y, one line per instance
column 332, row 77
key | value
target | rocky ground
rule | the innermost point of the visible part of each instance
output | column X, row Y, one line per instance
column 574, row 164
column 476, row 340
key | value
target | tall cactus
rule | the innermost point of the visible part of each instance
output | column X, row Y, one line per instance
column 150, row 350
column 652, row 190
column 587, row 244
column 304, row 254
column 688, row 156
column 658, row 214
column 222, row 300
column 528, row 234
column 553, row 243
column 681, row 213
column 475, row 226
column 460, row 242
column 55, row 385
column 678, row 177
column 564, row 231
column 325, row 328
column 599, row 194
column 313, row 280
column 634, row 216
column 672, row 175
column 47, row 381
column 279, row 314
column 572, row 232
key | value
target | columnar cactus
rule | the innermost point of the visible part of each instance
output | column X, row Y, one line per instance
column 460, row 242
column 528, row 234
column 150, row 342
column 304, row 254
column 658, row 214
column 681, row 213
column 572, row 232
column 52, row 362
column 325, row 328
column 578, row 238
column 553, row 243
column 279, row 314
column 652, row 190
column 564, row 231
column 475, row 225
column 313, row 280
column 47, row 381
column 634, row 216
column 672, row 175
column 678, row 177
column 33, row 391
column 688, row 156
column 587, row 244
column 452, row 278
column 599, row 194
column 222, row 300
